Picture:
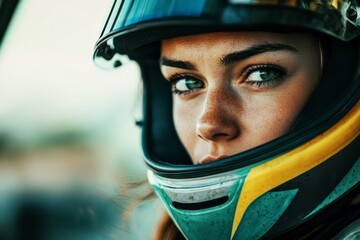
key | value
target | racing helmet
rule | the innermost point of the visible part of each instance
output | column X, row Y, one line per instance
column 294, row 184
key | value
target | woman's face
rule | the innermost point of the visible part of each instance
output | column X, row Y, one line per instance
column 233, row 91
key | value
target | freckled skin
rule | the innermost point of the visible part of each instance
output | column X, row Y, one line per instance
column 228, row 115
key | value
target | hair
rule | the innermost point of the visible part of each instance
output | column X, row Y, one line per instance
column 167, row 230
column 139, row 191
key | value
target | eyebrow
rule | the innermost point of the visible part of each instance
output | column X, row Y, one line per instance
column 255, row 50
column 177, row 63
column 232, row 57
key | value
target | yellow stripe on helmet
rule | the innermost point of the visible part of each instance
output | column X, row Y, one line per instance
column 271, row 174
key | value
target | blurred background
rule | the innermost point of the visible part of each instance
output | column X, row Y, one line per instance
column 68, row 139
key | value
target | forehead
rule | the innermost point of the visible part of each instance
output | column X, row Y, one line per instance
column 228, row 41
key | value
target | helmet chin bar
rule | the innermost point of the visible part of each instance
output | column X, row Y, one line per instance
column 191, row 194
column 200, row 199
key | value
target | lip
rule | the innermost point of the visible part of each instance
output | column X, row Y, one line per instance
column 212, row 159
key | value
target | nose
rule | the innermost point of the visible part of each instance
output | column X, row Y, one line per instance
column 219, row 119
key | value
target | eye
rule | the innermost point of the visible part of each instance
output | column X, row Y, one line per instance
column 264, row 74
column 185, row 84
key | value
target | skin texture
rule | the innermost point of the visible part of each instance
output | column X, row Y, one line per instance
column 237, row 90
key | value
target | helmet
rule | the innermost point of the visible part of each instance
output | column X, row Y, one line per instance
column 283, row 187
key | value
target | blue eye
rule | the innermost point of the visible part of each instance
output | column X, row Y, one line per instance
column 264, row 74
column 185, row 84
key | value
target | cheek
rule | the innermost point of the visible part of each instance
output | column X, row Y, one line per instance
column 272, row 115
column 185, row 122
column 268, row 121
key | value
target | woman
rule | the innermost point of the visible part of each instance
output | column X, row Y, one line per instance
column 247, row 89
column 259, row 137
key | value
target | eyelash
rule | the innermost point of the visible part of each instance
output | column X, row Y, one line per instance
column 173, row 79
column 281, row 71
